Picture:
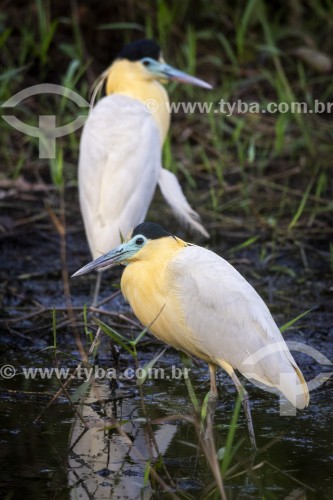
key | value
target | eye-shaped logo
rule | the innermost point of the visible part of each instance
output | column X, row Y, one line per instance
column 249, row 370
column 47, row 131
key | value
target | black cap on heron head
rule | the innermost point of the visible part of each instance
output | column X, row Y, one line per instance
column 150, row 230
column 138, row 50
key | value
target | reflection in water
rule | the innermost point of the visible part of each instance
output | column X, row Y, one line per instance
column 34, row 457
column 105, row 464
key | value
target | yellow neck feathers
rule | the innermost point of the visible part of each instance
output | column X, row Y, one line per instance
column 133, row 80
column 148, row 285
column 146, row 270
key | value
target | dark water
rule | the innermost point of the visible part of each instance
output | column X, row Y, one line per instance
column 56, row 458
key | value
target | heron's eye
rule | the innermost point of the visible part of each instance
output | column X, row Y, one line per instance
column 146, row 62
column 139, row 241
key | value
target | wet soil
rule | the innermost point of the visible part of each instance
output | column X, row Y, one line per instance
column 50, row 458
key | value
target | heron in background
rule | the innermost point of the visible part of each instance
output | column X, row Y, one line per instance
column 195, row 301
column 121, row 145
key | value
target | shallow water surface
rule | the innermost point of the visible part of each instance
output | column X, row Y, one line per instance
column 57, row 457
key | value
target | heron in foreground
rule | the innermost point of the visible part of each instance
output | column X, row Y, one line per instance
column 197, row 302
column 121, row 145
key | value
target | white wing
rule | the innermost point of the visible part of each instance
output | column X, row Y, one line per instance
column 232, row 324
column 120, row 161
column 173, row 194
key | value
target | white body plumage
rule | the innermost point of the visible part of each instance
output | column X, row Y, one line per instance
column 194, row 300
column 121, row 146
column 232, row 324
column 119, row 167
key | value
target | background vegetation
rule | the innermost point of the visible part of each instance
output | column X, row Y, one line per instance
column 268, row 173
column 262, row 182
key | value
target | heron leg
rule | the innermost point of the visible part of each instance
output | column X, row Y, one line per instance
column 97, row 288
column 213, row 388
column 246, row 405
column 212, row 401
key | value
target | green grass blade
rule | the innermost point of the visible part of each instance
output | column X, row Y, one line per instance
column 285, row 327
column 301, row 206
column 228, row 452
column 148, row 366
column 117, row 337
column 81, row 391
column 139, row 337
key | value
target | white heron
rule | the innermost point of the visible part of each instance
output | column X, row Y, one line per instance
column 121, row 144
column 197, row 302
